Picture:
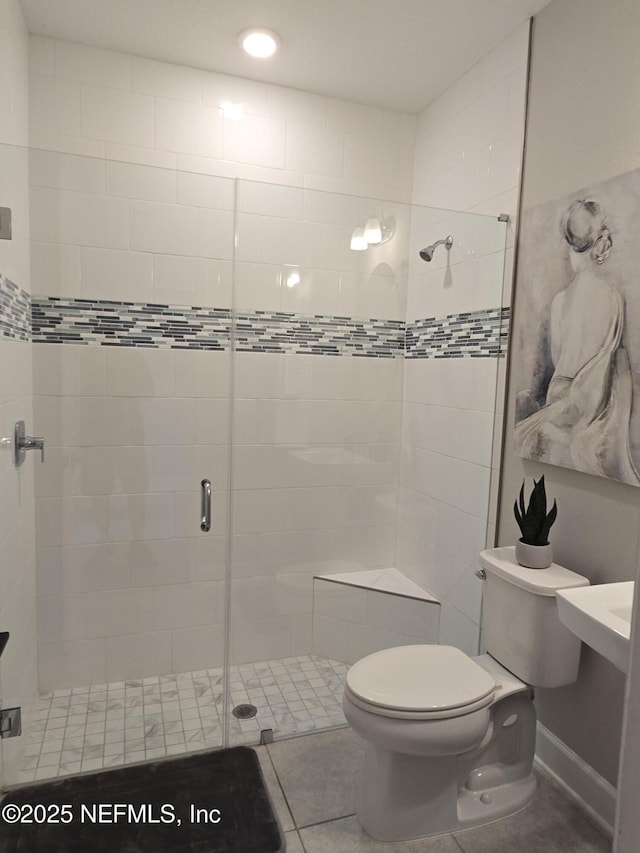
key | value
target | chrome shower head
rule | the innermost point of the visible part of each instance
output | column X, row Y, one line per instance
column 427, row 253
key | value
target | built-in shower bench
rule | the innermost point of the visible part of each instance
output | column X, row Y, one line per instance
column 360, row 612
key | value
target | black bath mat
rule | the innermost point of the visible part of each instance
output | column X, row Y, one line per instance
column 214, row 802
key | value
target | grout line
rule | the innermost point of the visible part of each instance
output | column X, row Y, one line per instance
column 302, row 844
column 328, row 820
column 154, row 701
column 279, row 781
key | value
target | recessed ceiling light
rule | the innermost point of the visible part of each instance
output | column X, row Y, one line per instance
column 259, row 42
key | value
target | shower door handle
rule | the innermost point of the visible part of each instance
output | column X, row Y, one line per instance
column 205, row 506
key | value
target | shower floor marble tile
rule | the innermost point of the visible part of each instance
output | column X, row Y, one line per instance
column 110, row 725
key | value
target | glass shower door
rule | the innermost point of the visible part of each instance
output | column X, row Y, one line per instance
column 363, row 418
column 318, row 336
column 18, row 666
column 131, row 284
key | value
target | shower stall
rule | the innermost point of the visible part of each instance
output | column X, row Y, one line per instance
column 234, row 402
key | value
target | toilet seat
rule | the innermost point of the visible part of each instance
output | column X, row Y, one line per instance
column 426, row 682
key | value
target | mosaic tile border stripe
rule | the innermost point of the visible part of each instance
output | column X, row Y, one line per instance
column 477, row 334
column 260, row 331
column 129, row 324
column 474, row 334
column 106, row 323
column 15, row 311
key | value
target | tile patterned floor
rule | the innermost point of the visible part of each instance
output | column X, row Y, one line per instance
column 313, row 780
column 125, row 722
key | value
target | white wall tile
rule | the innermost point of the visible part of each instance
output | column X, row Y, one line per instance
column 120, row 611
column 308, row 109
column 140, row 156
column 365, row 157
column 218, row 89
column 118, row 275
column 139, row 372
column 66, row 171
column 71, row 663
column 135, row 517
column 117, row 116
column 202, row 374
column 487, row 118
column 164, row 80
column 186, row 281
column 287, row 242
column 354, row 118
column 199, row 647
column 504, row 165
column 215, row 234
column 93, row 220
column 316, row 150
column 294, row 594
column 255, row 139
column 54, row 107
column 71, row 521
column 205, row 191
column 258, row 286
column 42, row 55
column 43, row 214
column 264, row 199
column 248, row 237
column 456, row 629
column 142, row 182
column 187, row 605
column 138, row 655
column 330, row 637
column 164, row 228
column 260, row 639
column 163, row 421
column 91, row 65
column 69, row 370
column 188, row 128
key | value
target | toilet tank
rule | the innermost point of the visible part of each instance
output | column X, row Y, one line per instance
column 520, row 619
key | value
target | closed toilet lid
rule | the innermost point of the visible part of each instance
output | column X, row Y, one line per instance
column 428, row 678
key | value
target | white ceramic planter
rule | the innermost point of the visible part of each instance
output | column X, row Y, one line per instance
column 534, row 556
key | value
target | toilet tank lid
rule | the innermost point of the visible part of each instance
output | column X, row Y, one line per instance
column 502, row 562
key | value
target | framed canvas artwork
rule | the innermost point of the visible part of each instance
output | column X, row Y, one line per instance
column 577, row 331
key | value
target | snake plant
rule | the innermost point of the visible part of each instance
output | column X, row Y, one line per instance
column 534, row 521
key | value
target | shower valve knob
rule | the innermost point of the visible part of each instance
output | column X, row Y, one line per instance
column 24, row 442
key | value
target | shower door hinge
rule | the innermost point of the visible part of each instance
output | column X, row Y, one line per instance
column 10, row 722
column 504, row 217
column 5, row 223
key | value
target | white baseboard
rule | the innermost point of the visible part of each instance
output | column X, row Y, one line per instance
column 587, row 789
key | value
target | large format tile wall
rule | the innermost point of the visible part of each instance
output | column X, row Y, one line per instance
column 468, row 152
column 316, row 440
column 120, row 107
column 17, row 560
column 134, row 419
column 127, row 584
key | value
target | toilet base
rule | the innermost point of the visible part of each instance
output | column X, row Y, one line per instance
column 398, row 801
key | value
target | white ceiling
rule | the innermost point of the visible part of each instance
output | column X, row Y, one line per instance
column 399, row 54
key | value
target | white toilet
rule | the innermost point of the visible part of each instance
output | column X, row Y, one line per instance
column 450, row 738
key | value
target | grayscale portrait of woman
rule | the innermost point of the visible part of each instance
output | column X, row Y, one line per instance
column 578, row 332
